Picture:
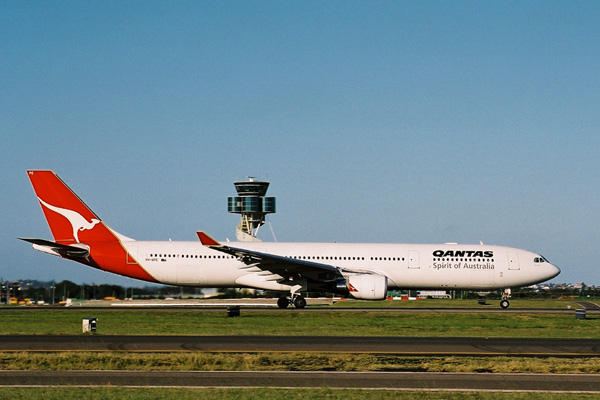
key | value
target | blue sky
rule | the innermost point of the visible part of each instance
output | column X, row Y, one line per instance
column 412, row 122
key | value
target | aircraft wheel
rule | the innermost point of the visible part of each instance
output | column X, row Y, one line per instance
column 283, row 302
column 299, row 302
column 504, row 304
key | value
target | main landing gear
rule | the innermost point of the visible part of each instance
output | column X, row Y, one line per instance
column 297, row 300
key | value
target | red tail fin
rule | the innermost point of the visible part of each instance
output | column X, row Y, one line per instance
column 70, row 220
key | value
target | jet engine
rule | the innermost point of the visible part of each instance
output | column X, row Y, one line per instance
column 363, row 286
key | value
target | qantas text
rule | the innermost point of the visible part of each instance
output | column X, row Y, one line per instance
column 477, row 259
column 463, row 253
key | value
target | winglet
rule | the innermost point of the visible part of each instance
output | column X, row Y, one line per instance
column 207, row 240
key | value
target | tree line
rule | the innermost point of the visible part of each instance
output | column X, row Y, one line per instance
column 52, row 292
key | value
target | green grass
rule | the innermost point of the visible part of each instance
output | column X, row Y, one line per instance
column 197, row 361
column 515, row 303
column 328, row 323
column 331, row 322
column 358, row 323
column 266, row 394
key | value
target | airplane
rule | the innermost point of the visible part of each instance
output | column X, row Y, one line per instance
column 364, row 271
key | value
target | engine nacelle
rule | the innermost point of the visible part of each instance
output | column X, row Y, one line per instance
column 367, row 286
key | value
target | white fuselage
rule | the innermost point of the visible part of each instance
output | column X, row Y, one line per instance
column 417, row 266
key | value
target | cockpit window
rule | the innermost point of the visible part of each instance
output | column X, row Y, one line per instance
column 540, row 259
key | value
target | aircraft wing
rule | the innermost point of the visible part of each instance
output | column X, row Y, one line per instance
column 284, row 267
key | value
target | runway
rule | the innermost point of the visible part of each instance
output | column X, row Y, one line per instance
column 581, row 383
column 425, row 346
column 261, row 308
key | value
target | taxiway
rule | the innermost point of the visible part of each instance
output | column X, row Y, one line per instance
column 429, row 346
column 573, row 383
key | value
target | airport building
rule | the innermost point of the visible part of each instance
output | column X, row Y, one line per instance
column 253, row 205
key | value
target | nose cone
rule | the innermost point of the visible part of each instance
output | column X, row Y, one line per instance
column 553, row 271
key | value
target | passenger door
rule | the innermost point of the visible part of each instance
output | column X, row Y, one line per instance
column 413, row 259
column 513, row 261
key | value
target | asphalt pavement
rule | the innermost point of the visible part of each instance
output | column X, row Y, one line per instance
column 574, row 383
column 467, row 346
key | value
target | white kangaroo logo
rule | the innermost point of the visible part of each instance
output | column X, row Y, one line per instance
column 78, row 222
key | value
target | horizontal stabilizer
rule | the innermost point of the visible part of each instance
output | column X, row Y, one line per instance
column 47, row 246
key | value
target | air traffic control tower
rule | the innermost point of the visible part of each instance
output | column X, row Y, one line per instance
column 252, row 204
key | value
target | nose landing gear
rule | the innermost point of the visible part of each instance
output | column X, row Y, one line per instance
column 504, row 303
